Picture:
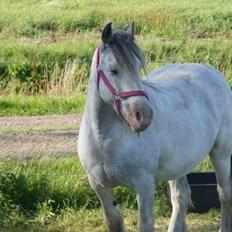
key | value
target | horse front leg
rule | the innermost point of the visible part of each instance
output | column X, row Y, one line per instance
column 145, row 197
column 180, row 196
column 112, row 217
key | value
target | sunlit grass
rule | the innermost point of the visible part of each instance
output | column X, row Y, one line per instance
column 41, row 104
column 53, row 194
column 36, row 18
column 38, row 36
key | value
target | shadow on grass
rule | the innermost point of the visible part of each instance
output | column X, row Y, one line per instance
column 37, row 204
column 19, row 193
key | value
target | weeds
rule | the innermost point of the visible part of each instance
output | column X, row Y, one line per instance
column 43, row 42
column 50, row 194
column 49, row 185
column 66, row 81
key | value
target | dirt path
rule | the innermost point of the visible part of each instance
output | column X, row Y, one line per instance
column 27, row 137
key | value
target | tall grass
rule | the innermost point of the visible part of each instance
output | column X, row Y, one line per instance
column 35, row 193
column 66, row 81
column 37, row 69
column 41, row 68
column 36, row 18
column 41, row 40
column 52, row 185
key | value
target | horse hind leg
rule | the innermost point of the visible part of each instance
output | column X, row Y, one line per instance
column 180, row 196
column 221, row 159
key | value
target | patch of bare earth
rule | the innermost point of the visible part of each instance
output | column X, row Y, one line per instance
column 36, row 136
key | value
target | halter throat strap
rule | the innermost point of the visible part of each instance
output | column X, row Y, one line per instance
column 118, row 95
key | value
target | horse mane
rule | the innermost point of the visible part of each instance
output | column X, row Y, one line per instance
column 125, row 50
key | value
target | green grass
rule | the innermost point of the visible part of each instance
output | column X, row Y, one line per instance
column 60, row 181
column 40, row 105
column 51, row 194
column 38, row 36
column 25, row 76
column 92, row 220
column 36, row 18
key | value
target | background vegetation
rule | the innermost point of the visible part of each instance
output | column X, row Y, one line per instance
column 51, row 194
column 46, row 46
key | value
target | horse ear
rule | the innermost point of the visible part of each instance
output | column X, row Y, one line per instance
column 107, row 33
column 131, row 30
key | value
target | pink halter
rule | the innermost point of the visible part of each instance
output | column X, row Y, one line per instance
column 118, row 96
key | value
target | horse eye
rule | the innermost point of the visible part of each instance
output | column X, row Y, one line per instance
column 113, row 72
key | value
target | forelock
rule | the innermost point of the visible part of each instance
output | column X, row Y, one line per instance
column 125, row 50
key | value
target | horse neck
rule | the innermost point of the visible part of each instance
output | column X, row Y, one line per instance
column 96, row 110
column 94, row 102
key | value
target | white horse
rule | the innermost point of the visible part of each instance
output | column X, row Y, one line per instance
column 181, row 113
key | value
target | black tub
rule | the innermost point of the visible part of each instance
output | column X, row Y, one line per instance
column 204, row 191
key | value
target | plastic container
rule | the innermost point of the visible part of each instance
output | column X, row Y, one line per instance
column 203, row 191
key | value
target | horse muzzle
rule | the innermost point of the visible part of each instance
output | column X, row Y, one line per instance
column 139, row 117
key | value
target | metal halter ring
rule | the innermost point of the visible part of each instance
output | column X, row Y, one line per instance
column 117, row 95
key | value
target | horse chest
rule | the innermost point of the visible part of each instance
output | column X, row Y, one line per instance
column 119, row 164
column 112, row 172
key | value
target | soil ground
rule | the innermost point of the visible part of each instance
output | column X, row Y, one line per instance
column 36, row 136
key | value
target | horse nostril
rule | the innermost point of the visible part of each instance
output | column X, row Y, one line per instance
column 138, row 115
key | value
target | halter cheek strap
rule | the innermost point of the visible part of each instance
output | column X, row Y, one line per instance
column 118, row 96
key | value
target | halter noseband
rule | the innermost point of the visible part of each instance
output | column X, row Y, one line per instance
column 118, row 96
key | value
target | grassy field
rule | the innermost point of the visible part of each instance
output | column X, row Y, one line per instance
column 46, row 46
column 41, row 104
column 51, row 194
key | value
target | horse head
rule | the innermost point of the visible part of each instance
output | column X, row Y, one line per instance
column 119, row 64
